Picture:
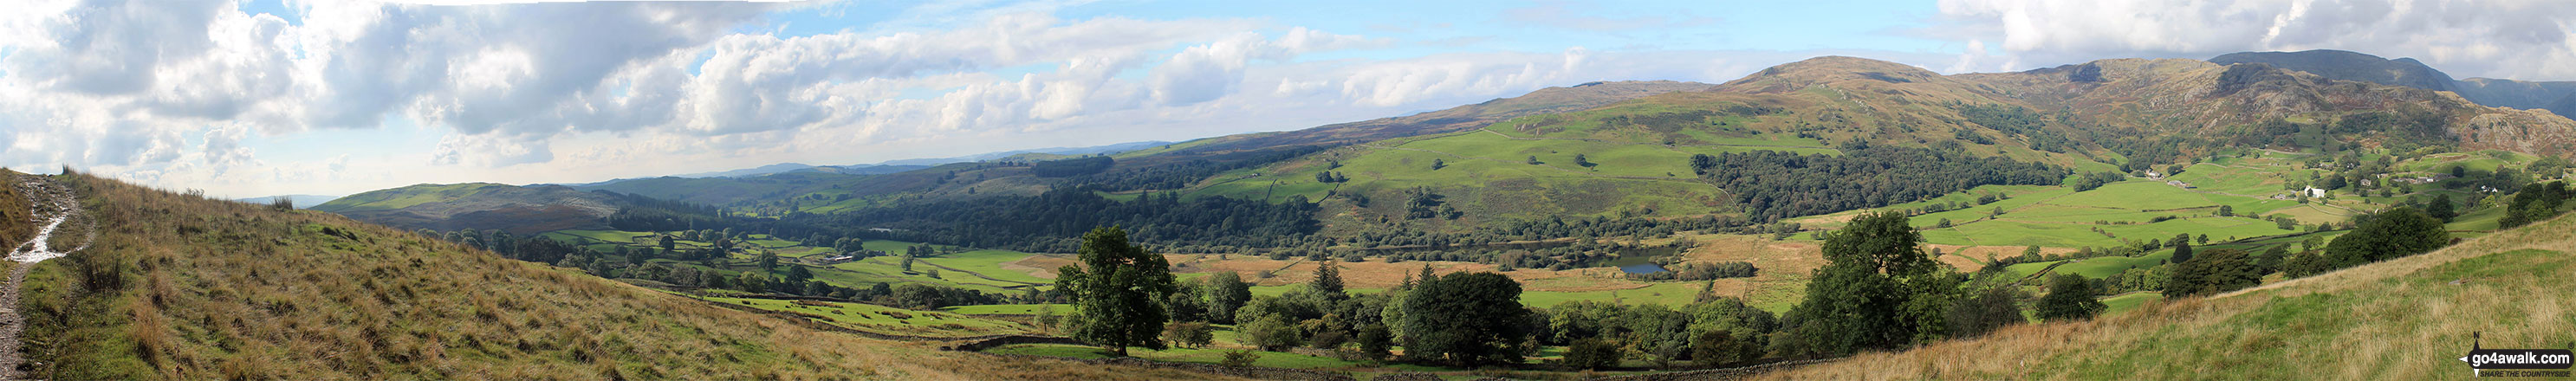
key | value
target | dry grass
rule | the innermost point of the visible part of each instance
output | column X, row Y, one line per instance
column 1785, row 265
column 2400, row 319
column 213, row 289
column 15, row 226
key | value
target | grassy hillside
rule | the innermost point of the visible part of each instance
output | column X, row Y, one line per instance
column 180, row 287
column 524, row 210
column 2406, row 318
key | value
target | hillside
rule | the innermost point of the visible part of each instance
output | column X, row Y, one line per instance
column 2125, row 114
column 181, row 287
column 2406, row 318
column 519, row 210
column 1177, row 165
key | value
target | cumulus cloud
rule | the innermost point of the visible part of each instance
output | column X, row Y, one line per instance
column 2507, row 39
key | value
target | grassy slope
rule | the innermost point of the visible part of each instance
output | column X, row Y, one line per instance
column 2399, row 319
column 398, row 198
column 213, row 289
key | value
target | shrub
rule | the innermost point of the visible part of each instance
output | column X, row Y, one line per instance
column 2070, row 297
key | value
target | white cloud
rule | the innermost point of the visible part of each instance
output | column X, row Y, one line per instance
column 581, row 92
column 2527, row 40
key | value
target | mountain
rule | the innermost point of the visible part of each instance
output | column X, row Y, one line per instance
column 302, row 201
column 760, row 170
column 2556, row 96
column 483, row 206
column 2350, row 66
column 1069, row 151
column 180, row 287
column 2405, row 318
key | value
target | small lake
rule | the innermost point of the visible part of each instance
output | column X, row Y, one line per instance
column 1643, row 268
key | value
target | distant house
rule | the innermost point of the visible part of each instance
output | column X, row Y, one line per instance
column 2314, row 192
column 2179, row 183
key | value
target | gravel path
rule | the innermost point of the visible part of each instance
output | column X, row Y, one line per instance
column 53, row 205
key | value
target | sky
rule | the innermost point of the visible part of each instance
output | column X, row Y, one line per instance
column 269, row 97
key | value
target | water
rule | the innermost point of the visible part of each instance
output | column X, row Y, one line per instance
column 40, row 251
column 1643, row 268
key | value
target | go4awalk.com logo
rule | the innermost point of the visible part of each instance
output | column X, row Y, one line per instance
column 2517, row 362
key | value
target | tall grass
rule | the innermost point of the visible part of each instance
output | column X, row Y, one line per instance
column 2406, row 318
column 182, row 287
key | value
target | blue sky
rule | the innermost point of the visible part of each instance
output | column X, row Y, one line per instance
column 293, row 97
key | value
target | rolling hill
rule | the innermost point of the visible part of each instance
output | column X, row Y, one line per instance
column 524, row 210
column 182, row 287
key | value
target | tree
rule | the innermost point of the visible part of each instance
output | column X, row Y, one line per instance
column 1466, row 318
column 1592, row 353
column 2226, row 211
column 1877, row 290
column 668, row 243
column 1580, row 160
column 768, row 261
column 2442, row 208
column 1189, row 334
column 2271, row 259
column 1986, row 311
column 2070, row 297
column 2222, row 270
column 2390, row 234
column 1437, row 164
column 1533, row 160
column 1328, row 280
column 1375, row 342
column 2182, row 251
column 1116, row 297
column 798, row 274
column 1271, row 333
column 1719, row 346
column 1227, row 292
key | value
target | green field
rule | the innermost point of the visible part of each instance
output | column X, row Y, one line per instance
column 2130, row 301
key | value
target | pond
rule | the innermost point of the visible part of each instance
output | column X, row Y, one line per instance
column 1641, row 261
column 1643, row 268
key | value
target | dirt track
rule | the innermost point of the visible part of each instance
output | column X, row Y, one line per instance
column 53, row 206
